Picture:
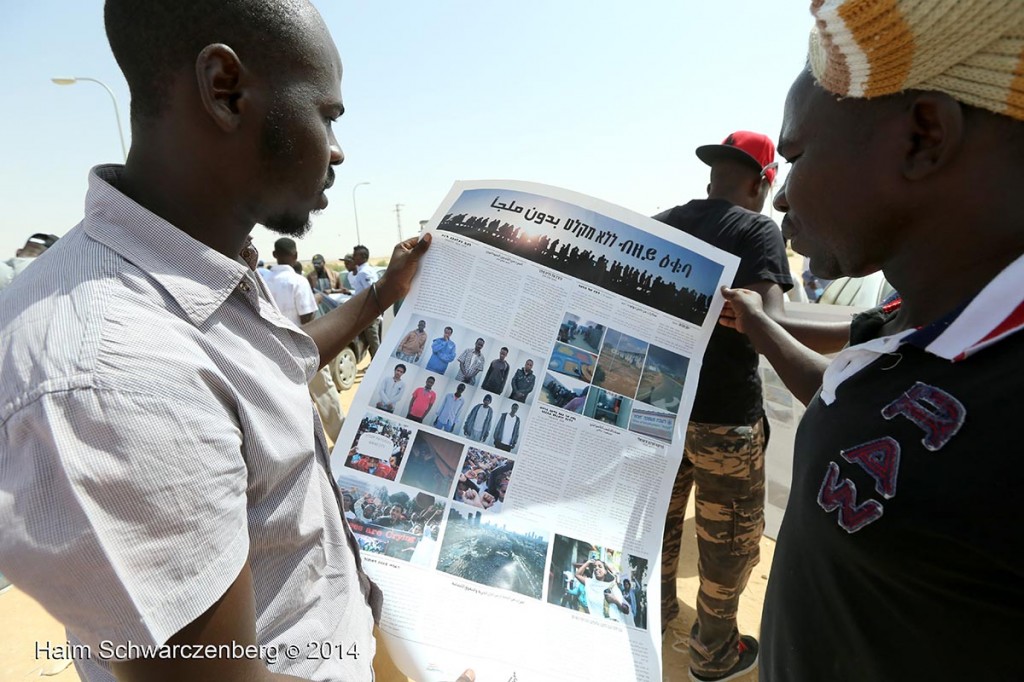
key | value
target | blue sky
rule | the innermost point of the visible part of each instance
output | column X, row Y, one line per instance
column 605, row 98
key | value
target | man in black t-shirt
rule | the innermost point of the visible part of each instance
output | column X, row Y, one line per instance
column 899, row 556
column 726, row 437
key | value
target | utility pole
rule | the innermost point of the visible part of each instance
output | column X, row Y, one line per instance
column 398, row 217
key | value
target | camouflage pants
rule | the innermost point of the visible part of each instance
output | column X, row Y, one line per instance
column 727, row 464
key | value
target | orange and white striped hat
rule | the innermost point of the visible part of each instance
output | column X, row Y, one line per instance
column 972, row 50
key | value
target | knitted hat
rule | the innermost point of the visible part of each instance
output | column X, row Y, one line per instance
column 972, row 50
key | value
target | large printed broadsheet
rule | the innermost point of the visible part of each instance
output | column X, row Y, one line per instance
column 508, row 460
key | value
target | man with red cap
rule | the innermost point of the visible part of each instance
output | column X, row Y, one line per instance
column 727, row 434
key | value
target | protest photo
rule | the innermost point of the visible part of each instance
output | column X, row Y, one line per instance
column 379, row 447
column 484, row 480
column 390, row 519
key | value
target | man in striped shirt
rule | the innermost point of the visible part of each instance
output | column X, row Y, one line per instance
column 165, row 482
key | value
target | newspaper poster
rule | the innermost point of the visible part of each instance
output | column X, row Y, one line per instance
column 508, row 460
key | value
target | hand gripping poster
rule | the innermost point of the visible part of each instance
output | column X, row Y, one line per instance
column 508, row 460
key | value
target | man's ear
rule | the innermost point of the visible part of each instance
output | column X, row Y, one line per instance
column 219, row 77
column 757, row 188
column 936, row 132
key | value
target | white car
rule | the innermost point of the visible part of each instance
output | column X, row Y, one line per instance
column 862, row 292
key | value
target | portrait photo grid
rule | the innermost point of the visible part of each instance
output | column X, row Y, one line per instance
column 426, row 476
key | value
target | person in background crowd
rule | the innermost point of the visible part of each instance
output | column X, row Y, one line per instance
column 34, row 247
column 290, row 290
column 726, row 436
column 262, row 270
column 323, row 280
column 364, row 278
column 350, row 272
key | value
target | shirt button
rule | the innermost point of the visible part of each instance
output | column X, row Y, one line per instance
column 244, row 286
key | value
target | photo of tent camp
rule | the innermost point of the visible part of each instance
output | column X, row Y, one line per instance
column 378, row 448
column 432, row 463
column 572, row 362
column 599, row 581
column 564, row 392
column 387, row 518
column 484, row 480
column 583, row 334
column 661, row 384
column 620, row 363
column 608, row 407
column 495, row 550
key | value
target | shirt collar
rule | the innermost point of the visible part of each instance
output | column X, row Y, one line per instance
column 992, row 315
column 197, row 277
column 995, row 313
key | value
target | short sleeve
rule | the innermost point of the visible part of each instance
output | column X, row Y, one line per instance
column 305, row 302
column 123, row 514
column 763, row 256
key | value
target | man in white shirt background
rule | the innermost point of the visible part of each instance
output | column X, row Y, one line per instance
column 364, row 278
column 294, row 297
column 34, row 246
column 291, row 291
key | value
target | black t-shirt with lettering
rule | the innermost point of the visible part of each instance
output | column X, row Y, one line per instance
column 901, row 554
column 729, row 391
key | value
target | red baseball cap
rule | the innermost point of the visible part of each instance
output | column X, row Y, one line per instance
column 746, row 146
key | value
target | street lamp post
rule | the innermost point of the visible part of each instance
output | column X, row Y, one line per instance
column 117, row 113
column 355, row 210
column 398, row 217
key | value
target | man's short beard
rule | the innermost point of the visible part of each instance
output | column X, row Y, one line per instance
column 289, row 225
column 276, row 146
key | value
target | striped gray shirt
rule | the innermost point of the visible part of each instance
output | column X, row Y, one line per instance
column 155, row 432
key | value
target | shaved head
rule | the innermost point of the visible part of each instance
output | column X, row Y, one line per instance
column 156, row 41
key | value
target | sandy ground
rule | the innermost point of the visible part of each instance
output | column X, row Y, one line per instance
column 23, row 622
